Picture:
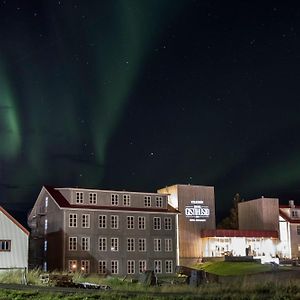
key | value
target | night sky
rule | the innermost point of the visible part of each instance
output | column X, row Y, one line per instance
column 136, row 95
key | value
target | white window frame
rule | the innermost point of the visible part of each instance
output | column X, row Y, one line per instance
column 169, row 266
column 102, row 244
column 130, row 244
column 85, row 266
column 85, row 243
column 114, row 199
column 114, row 244
column 72, row 243
column 168, row 245
column 141, row 223
column 157, row 266
column 157, row 223
column 126, row 200
column 114, row 222
column 159, row 201
column 142, row 242
column 168, row 223
column 102, row 267
column 147, row 201
column 114, row 267
column 93, row 198
column 85, row 220
column 73, row 220
column 79, row 197
column 157, row 245
column 142, row 265
column 130, row 222
column 130, row 267
column 103, row 222
column 72, row 265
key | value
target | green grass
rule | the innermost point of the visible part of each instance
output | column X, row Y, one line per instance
column 225, row 268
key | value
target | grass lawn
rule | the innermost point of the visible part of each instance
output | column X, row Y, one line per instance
column 225, row 268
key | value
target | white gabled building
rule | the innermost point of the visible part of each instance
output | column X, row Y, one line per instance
column 13, row 242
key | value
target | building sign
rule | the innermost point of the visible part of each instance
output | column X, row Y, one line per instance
column 196, row 211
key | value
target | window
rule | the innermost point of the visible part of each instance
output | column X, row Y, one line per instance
column 126, row 200
column 142, row 223
column 130, row 266
column 102, row 221
column 45, row 246
column 168, row 224
column 157, row 266
column 85, row 266
column 46, row 225
column 85, row 244
column 85, row 221
column 72, row 220
column 79, row 197
column 147, row 201
column 130, row 244
column 156, row 223
column 298, row 229
column 114, row 222
column 298, row 248
column 114, row 244
column 72, row 265
column 169, row 266
column 102, row 267
column 93, row 198
column 46, row 202
column 142, row 245
column 157, row 245
column 114, row 267
column 159, row 202
column 168, row 245
column 294, row 213
column 102, row 244
column 114, row 199
column 72, row 243
column 142, row 266
column 5, row 245
column 130, row 222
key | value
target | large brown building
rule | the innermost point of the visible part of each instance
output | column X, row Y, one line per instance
column 100, row 231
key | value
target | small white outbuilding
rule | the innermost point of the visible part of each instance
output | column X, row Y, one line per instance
column 14, row 239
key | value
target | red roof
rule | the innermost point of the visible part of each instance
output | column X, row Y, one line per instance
column 13, row 220
column 287, row 217
column 239, row 233
column 63, row 202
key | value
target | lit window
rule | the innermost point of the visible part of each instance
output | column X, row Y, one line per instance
column 126, row 200
column 46, row 225
column 72, row 265
column 102, row 244
column 114, row 244
column 85, row 244
column 147, row 201
column 157, row 245
column 5, row 245
column 45, row 246
column 142, row 223
column 130, row 222
column 102, row 267
column 156, row 223
column 72, row 243
column 130, row 266
column 93, row 198
column 142, row 266
column 157, row 266
column 159, row 202
column 142, row 245
column 114, row 222
column 72, row 220
column 85, row 221
column 168, row 223
column 114, row 267
column 130, row 244
column 79, row 197
column 102, row 221
column 114, row 199
column 168, row 245
column 85, row 266
column 169, row 266
column 46, row 202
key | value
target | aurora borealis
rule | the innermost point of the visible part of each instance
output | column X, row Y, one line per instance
column 138, row 95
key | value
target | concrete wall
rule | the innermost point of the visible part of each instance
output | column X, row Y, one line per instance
column 259, row 214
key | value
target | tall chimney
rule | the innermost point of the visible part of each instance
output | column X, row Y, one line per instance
column 291, row 204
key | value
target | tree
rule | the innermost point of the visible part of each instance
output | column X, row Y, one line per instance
column 232, row 222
